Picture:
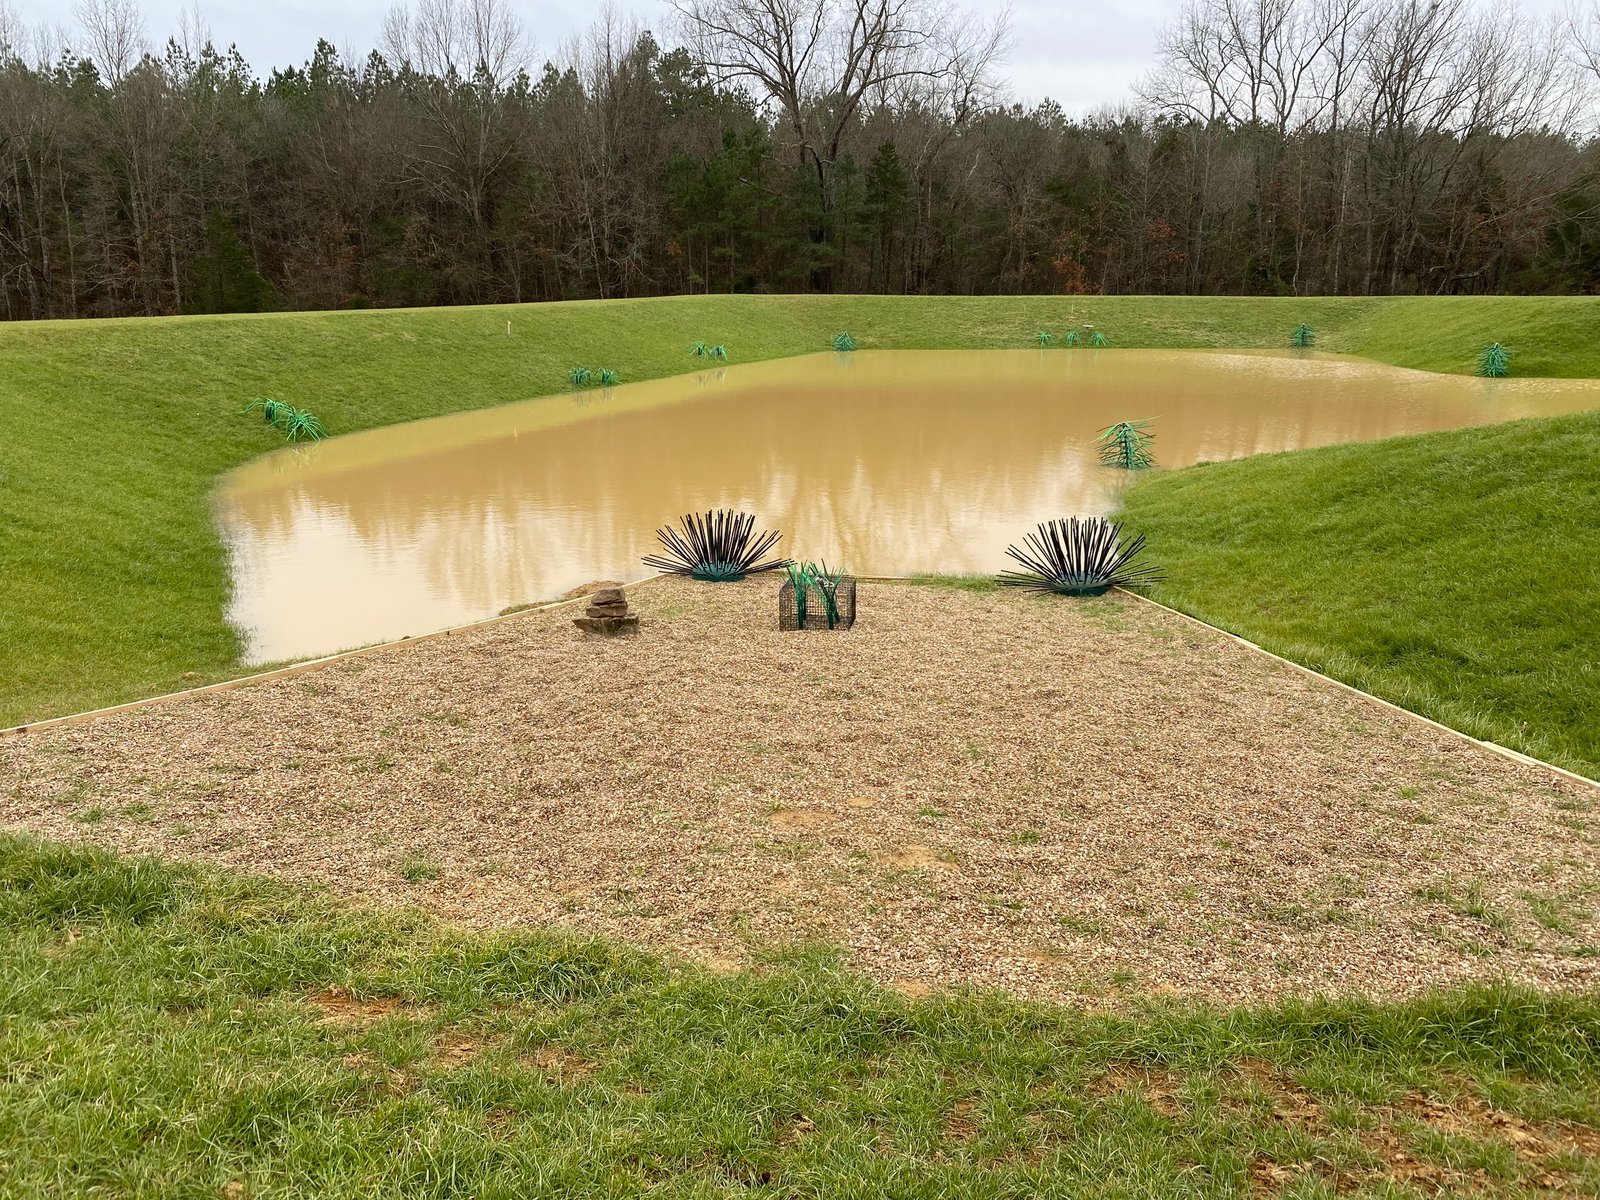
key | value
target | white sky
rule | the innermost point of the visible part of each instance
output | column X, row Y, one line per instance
column 1083, row 56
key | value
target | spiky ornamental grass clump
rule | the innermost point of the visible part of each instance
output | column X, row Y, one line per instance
column 716, row 547
column 700, row 350
column 1127, row 445
column 719, row 352
column 1098, row 340
column 843, row 341
column 1495, row 361
column 296, row 425
column 608, row 377
column 1072, row 337
column 810, row 577
column 578, row 376
column 1079, row 557
column 1045, row 338
column 1303, row 337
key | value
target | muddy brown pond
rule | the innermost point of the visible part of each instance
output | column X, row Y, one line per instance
column 888, row 463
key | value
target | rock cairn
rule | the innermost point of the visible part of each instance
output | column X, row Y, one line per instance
column 607, row 614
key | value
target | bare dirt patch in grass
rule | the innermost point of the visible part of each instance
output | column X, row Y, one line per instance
column 560, row 1065
column 1062, row 799
column 339, row 1007
column 1159, row 1089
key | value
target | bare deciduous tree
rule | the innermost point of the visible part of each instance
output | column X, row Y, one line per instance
column 818, row 61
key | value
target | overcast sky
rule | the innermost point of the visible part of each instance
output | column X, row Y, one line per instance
column 1081, row 55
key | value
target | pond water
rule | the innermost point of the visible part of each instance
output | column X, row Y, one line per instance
column 887, row 462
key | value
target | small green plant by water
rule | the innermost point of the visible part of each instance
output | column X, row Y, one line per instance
column 808, row 578
column 1072, row 338
column 1303, row 337
column 1098, row 340
column 608, row 377
column 578, row 376
column 296, row 424
column 843, row 341
column 1127, row 445
column 1495, row 361
column 1045, row 338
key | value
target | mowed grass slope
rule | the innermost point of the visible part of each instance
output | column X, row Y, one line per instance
column 1457, row 574
column 175, row 1033
column 113, row 581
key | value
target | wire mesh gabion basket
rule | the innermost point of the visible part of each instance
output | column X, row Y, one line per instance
column 815, row 612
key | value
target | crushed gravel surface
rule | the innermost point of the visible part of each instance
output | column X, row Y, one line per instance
column 1066, row 799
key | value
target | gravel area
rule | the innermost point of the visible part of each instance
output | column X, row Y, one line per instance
column 1067, row 799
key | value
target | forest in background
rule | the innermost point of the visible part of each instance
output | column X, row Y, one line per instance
column 1277, row 147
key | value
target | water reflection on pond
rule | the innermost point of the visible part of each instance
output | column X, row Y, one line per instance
column 886, row 462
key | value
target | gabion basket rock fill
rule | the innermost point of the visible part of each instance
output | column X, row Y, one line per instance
column 805, row 608
column 715, row 547
column 1079, row 557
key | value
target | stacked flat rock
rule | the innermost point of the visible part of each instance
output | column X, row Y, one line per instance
column 607, row 614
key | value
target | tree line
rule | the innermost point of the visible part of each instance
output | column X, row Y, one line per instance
column 1277, row 146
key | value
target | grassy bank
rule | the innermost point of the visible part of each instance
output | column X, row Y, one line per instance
column 172, row 1033
column 1453, row 573
column 112, row 581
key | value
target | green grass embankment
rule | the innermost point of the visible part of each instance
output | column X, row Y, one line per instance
column 112, row 578
column 1456, row 574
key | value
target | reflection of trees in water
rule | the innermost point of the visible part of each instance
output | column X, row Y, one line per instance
column 874, row 472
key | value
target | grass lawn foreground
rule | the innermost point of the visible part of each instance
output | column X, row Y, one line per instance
column 176, row 1033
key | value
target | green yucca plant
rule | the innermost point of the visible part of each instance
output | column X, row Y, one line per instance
column 295, row 424
column 273, row 411
column 579, row 376
column 1303, row 337
column 1495, row 361
column 808, row 578
column 1072, row 337
column 800, row 580
column 608, row 377
column 1045, row 338
column 843, row 341
column 700, row 350
column 720, row 352
column 827, row 584
column 1127, row 445
column 303, row 426
column 1098, row 339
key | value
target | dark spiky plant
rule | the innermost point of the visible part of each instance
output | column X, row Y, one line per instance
column 1098, row 339
column 717, row 547
column 700, row 350
column 1072, row 337
column 843, row 341
column 578, row 376
column 1045, row 338
column 608, row 377
column 1079, row 557
column 719, row 352
column 1495, row 361
column 1303, row 337
column 1127, row 445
